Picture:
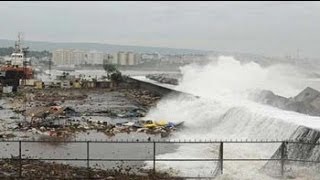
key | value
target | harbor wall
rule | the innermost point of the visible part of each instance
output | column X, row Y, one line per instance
column 156, row 89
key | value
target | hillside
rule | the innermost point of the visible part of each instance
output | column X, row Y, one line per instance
column 40, row 46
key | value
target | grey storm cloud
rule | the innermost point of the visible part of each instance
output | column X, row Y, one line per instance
column 269, row 28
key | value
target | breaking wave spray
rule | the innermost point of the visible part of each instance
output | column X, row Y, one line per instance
column 223, row 112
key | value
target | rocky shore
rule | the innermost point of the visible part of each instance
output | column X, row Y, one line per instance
column 306, row 102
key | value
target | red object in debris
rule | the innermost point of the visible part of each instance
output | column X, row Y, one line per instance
column 52, row 133
column 27, row 71
column 55, row 108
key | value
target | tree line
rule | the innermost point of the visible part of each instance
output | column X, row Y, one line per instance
column 7, row 51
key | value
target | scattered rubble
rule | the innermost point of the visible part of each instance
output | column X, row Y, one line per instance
column 143, row 97
column 9, row 168
column 57, row 97
column 7, row 135
column 122, row 113
column 149, row 127
column 68, row 128
column 75, row 113
column 54, row 114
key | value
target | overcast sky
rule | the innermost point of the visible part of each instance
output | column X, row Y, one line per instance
column 269, row 28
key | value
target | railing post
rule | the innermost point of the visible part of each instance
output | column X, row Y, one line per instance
column 283, row 146
column 154, row 157
column 88, row 158
column 20, row 162
column 221, row 157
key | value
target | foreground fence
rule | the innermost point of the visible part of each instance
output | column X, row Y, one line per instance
column 95, row 151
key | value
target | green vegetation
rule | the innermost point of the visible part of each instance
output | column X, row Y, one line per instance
column 112, row 72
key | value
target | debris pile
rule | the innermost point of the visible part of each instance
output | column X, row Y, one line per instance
column 143, row 97
column 50, row 113
column 121, row 113
column 64, row 113
column 57, row 97
column 69, row 127
column 150, row 127
column 7, row 135
column 57, row 115
column 9, row 168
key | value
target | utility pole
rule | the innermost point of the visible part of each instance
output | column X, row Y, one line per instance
column 298, row 56
column 298, row 51
column 50, row 68
column 24, row 61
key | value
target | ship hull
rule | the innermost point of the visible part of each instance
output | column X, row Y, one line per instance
column 17, row 72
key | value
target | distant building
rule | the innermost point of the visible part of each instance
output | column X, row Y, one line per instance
column 79, row 57
column 58, row 57
column 114, row 58
column 122, row 58
column 150, row 56
column 137, row 58
column 95, row 57
column 76, row 57
column 130, row 59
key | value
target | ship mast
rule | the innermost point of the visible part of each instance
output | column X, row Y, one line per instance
column 18, row 44
column 21, row 49
column 24, row 52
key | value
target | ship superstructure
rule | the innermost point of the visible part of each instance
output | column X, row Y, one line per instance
column 17, row 67
column 17, row 62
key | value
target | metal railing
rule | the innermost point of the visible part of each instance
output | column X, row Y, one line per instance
column 220, row 160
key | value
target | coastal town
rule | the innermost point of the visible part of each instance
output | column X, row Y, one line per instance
column 65, row 106
column 159, row 90
column 60, row 102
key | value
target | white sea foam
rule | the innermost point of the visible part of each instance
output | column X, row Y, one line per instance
column 224, row 112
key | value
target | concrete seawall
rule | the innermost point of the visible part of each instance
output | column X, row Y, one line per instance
column 159, row 90
column 295, row 154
